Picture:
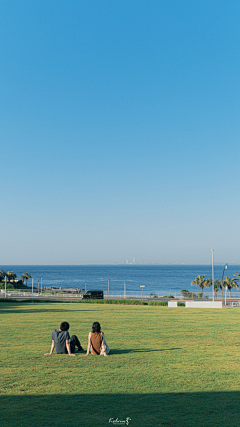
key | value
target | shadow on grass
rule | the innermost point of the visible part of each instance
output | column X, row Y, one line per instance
column 55, row 310
column 142, row 350
column 207, row 409
column 33, row 307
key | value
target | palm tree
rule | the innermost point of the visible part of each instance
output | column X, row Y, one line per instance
column 25, row 276
column 230, row 283
column 11, row 275
column 222, row 287
column 201, row 282
column 2, row 275
column 238, row 276
column 217, row 285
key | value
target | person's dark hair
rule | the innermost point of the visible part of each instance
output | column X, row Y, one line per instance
column 96, row 327
column 64, row 326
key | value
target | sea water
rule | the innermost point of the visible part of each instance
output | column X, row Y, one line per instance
column 167, row 279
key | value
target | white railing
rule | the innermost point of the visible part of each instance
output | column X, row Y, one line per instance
column 20, row 293
column 27, row 294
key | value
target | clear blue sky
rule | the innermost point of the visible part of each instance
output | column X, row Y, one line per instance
column 119, row 129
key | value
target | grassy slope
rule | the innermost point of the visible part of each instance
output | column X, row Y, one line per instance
column 174, row 367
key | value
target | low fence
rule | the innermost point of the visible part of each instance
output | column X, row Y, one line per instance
column 168, row 295
column 60, row 294
column 25, row 294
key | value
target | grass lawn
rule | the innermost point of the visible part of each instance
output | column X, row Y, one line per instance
column 167, row 367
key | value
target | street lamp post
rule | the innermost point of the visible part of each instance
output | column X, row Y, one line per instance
column 142, row 286
column 212, row 273
column 225, row 268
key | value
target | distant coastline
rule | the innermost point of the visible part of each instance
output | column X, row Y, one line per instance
column 120, row 264
column 167, row 278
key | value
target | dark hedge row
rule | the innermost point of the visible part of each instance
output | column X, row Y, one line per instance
column 104, row 301
column 114, row 301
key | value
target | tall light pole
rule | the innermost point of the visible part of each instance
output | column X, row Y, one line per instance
column 213, row 272
column 142, row 286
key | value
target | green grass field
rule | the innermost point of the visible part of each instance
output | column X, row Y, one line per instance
column 167, row 367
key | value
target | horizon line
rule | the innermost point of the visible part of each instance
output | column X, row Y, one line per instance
column 122, row 264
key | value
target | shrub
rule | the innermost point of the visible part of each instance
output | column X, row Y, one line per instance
column 185, row 293
column 114, row 301
column 165, row 303
column 8, row 285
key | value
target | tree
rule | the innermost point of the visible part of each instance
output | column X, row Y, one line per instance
column 238, row 276
column 217, row 286
column 11, row 275
column 222, row 287
column 25, row 276
column 2, row 275
column 230, row 283
column 185, row 293
column 202, row 282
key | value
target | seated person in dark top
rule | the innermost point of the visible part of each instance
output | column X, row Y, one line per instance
column 62, row 341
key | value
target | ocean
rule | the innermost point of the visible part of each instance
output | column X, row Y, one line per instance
column 156, row 279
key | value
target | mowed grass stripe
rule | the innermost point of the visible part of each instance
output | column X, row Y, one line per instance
column 157, row 355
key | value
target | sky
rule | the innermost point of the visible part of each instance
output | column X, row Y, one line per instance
column 119, row 131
